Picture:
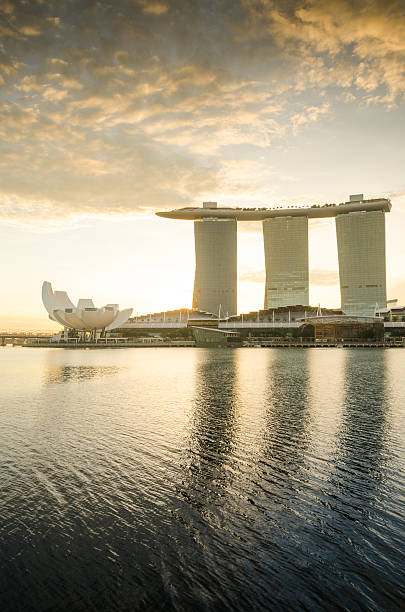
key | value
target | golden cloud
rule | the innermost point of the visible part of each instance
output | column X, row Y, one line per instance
column 338, row 42
column 159, row 111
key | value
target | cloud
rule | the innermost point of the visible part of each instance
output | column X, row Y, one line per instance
column 396, row 290
column 253, row 276
column 397, row 199
column 154, row 8
column 54, row 95
column 318, row 277
column 155, row 103
column 6, row 6
column 344, row 43
column 309, row 115
column 30, row 31
column 323, row 278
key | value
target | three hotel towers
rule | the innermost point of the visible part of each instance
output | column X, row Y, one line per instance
column 360, row 232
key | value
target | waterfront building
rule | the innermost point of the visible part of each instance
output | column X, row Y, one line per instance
column 85, row 316
column 393, row 312
column 361, row 253
column 332, row 328
column 284, row 314
column 283, row 323
column 360, row 229
column 215, row 283
column 286, row 257
column 184, row 317
column 213, row 337
column 180, row 317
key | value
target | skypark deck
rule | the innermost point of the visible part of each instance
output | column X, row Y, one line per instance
column 315, row 211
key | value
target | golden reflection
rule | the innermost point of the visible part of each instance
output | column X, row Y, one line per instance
column 70, row 366
column 361, row 440
column 58, row 374
column 286, row 434
column 213, row 429
column 327, row 380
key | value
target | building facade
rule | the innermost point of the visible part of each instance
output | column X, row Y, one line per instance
column 360, row 229
column 84, row 317
column 286, row 257
column 361, row 254
column 215, row 283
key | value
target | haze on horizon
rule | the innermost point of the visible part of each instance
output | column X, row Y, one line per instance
column 110, row 111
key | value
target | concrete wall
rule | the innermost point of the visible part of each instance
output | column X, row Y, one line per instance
column 361, row 253
column 286, row 256
column 215, row 284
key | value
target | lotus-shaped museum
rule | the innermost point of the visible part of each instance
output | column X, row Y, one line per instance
column 85, row 316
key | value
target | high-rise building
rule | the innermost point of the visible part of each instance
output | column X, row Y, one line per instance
column 360, row 229
column 286, row 257
column 361, row 252
column 215, row 283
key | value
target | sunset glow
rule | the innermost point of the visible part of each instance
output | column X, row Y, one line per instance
column 112, row 111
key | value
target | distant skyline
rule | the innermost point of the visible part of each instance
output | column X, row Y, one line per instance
column 110, row 111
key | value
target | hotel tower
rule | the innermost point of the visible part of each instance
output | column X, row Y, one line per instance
column 216, row 264
column 360, row 232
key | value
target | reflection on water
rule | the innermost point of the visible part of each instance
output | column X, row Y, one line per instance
column 286, row 435
column 212, row 432
column 206, row 479
column 72, row 373
column 70, row 367
column 354, row 500
column 361, row 440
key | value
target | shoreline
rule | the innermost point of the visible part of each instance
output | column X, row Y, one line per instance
column 190, row 344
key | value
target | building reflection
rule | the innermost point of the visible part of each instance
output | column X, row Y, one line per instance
column 361, row 440
column 58, row 374
column 211, row 438
column 286, row 434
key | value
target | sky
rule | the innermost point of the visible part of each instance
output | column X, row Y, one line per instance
column 112, row 110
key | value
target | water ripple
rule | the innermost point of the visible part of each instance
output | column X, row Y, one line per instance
column 202, row 479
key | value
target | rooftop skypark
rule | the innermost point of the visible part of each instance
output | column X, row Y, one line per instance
column 316, row 211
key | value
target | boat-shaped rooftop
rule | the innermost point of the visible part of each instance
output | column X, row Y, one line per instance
column 210, row 210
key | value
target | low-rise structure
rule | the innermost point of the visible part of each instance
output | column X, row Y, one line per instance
column 84, row 317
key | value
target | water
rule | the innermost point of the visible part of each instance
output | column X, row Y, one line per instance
column 202, row 479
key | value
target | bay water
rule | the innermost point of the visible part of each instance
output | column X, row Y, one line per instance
column 202, row 479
